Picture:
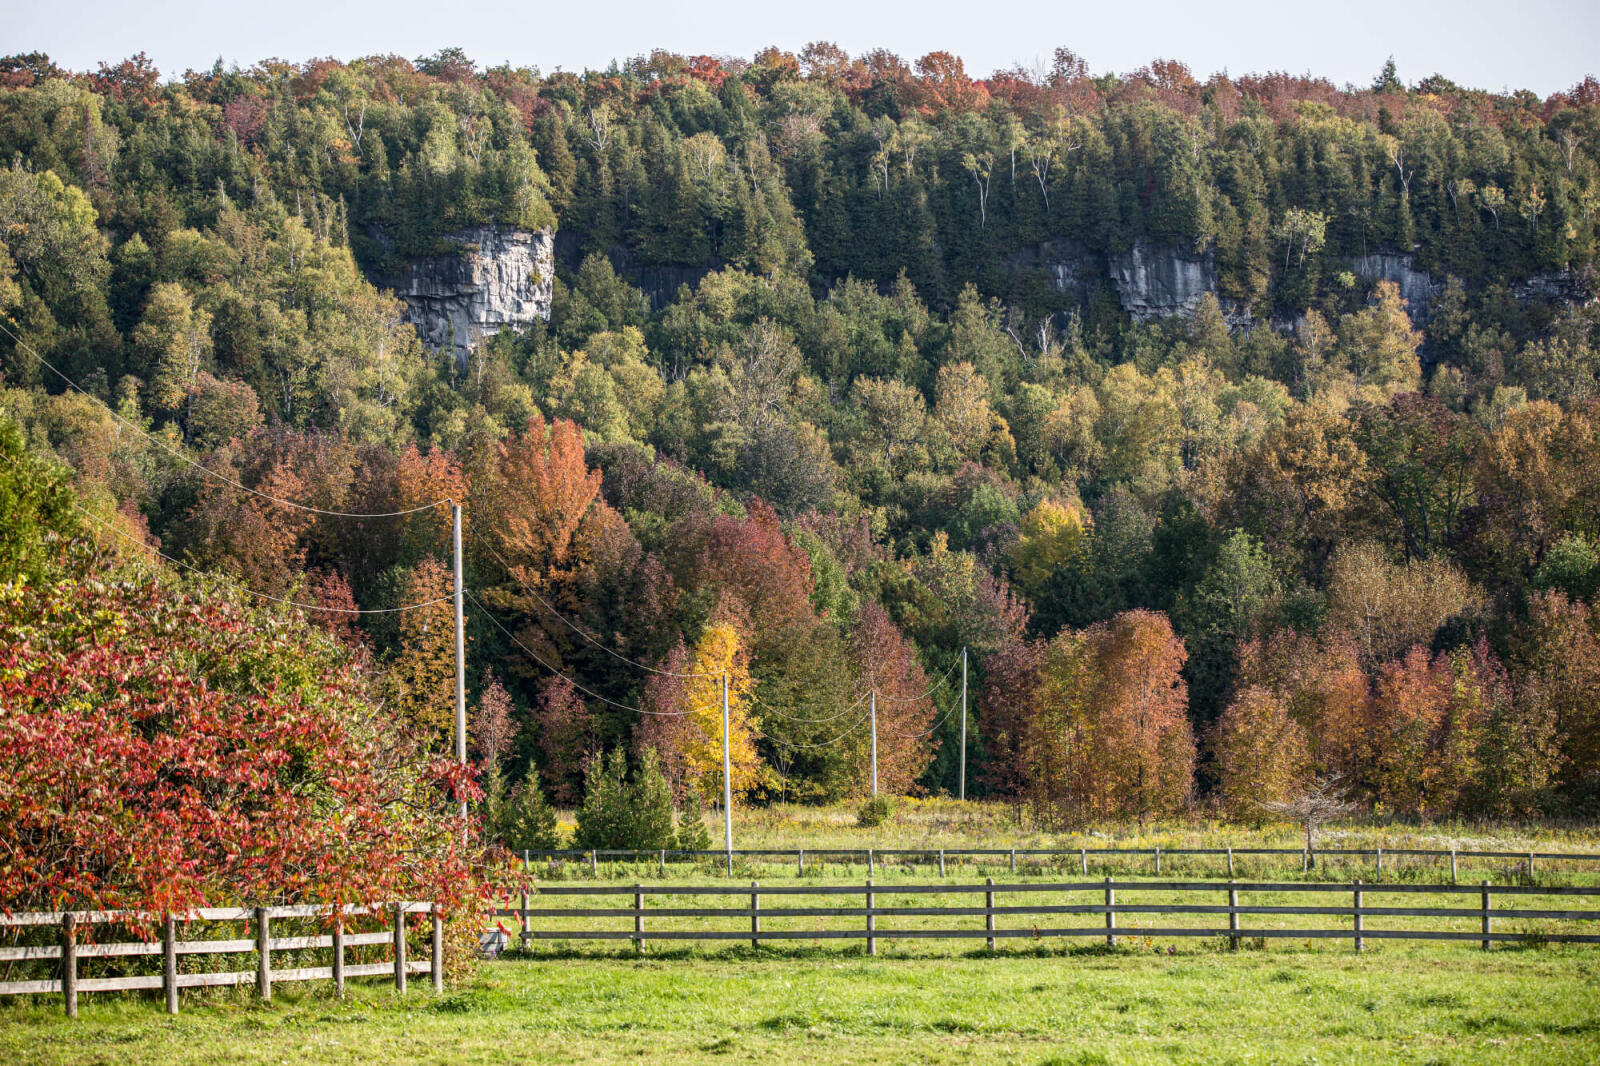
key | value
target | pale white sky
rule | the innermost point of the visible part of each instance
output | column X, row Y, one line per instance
column 1543, row 45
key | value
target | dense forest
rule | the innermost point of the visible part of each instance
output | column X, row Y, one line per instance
column 808, row 414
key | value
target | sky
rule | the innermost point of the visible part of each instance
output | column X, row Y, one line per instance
column 1543, row 45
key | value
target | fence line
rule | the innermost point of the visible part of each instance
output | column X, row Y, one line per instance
column 68, row 950
column 869, row 857
column 1356, row 910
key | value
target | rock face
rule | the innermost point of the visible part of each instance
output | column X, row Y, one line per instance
column 498, row 279
column 1071, row 267
column 1419, row 289
column 1564, row 287
column 1151, row 280
column 1157, row 281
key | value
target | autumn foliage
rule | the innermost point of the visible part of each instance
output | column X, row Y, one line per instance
column 164, row 749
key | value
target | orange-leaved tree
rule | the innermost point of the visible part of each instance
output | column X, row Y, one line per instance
column 1260, row 752
column 1143, row 742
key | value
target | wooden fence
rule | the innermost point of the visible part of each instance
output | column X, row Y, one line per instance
column 74, row 925
column 1224, row 901
column 869, row 857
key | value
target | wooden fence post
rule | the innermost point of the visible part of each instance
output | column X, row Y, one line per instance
column 1013, row 860
column 1356, row 914
column 527, row 935
column 1486, row 916
column 594, row 864
column 436, row 961
column 400, row 948
column 169, row 961
column 638, row 917
column 338, row 950
column 1233, row 916
column 872, row 941
column 755, row 914
column 1230, row 863
column 1083, row 861
column 988, row 910
column 663, row 862
column 941, row 862
column 1158, row 861
column 1452, row 866
column 1379, row 863
column 1111, row 915
column 263, row 955
column 870, row 870
column 1305, row 859
column 69, row 963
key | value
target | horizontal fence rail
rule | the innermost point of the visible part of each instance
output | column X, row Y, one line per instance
column 1105, row 904
column 1526, row 860
column 74, row 943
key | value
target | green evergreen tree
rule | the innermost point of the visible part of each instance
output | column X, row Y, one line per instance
column 528, row 822
column 692, row 832
column 649, row 821
column 604, row 815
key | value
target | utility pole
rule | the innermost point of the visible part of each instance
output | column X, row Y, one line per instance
column 963, row 723
column 461, row 651
column 727, row 775
column 874, row 706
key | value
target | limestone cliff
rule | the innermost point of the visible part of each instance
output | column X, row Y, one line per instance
column 1419, row 289
column 492, row 279
column 1151, row 280
column 1157, row 281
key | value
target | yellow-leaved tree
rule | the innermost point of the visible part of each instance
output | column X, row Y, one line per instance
column 685, row 727
column 1053, row 536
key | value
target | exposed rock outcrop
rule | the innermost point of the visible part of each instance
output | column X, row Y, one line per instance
column 494, row 279
column 1419, row 289
column 1563, row 287
column 1072, row 268
column 1151, row 280
column 1158, row 281
column 658, row 281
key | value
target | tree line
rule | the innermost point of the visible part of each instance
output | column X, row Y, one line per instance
column 1194, row 561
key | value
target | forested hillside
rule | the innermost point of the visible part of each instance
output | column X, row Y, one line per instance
column 849, row 367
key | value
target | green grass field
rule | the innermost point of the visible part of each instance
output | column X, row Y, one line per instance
column 1034, row 1001
column 1428, row 1004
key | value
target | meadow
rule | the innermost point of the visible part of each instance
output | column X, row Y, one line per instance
column 1151, row 999
column 1035, row 1005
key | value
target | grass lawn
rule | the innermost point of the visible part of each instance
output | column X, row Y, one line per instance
column 1396, row 1003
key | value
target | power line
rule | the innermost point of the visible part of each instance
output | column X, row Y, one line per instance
column 766, row 708
column 164, row 446
column 244, row 589
column 931, row 688
column 578, row 629
column 791, row 744
column 927, row 732
column 587, row 692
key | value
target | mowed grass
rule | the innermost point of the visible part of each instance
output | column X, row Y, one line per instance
column 1029, row 1004
column 940, row 822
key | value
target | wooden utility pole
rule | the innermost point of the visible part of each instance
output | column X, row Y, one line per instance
column 963, row 723
column 874, row 712
column 461, row 651
column 727, row 776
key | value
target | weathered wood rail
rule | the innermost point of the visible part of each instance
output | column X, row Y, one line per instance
column 1107, row 905
column 74, row 927
column 1526, row 861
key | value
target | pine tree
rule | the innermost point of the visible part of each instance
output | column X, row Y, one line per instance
column 529, row 822
column 692, row 832
column 649, row 823
column 603, row 817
